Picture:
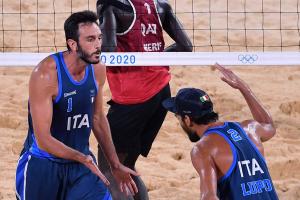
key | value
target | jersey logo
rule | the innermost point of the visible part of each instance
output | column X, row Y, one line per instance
column 92, row 95
column 150, row 29
column 78, row 121
column 252, row 167
column 69, row 93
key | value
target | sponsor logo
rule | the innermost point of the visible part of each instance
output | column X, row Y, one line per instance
column 67, row 94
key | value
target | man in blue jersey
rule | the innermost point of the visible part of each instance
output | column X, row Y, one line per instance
column 228, row 155
column 65, row 98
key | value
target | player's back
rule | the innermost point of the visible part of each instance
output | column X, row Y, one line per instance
column 248, row 176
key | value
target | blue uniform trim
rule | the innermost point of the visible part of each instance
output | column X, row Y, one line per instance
column 215, row 127
column 69, row 75
column 107, row 196
column 96, row 85
column 250, row 141
column 58, row 78
column 19, row 179
column 21, row 175
column 234, row 153
column 35, row 150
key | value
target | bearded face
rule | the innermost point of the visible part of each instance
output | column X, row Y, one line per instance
column 90, row 58
column 190, row 133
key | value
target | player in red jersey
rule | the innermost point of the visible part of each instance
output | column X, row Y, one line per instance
column 136, row 113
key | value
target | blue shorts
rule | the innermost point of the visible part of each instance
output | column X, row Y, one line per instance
column 40, row 178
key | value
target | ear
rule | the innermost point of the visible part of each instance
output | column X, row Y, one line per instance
column 188, row 121
column 72, row 44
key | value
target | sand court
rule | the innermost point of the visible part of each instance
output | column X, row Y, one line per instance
column 168, row 172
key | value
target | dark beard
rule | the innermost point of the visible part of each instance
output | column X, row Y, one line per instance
column 192, row 135
column 84, row 56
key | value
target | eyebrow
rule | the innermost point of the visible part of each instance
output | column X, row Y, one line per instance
column 92, row 36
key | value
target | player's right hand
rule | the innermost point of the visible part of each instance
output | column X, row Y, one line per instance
column 231, row 78
column 89, row 163
column 123, row 177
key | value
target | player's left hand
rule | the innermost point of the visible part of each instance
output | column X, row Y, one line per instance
column 123, row 177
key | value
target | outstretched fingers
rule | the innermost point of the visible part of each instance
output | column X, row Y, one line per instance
column 129, row 186
column 224, row 71
column 132, row 187
column 124, row 178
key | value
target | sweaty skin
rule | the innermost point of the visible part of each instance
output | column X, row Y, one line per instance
column 116, row 20
column 116, row 16
column 43, row 89
column 212, row 156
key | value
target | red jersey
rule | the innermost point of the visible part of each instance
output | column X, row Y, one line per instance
column 136, row 84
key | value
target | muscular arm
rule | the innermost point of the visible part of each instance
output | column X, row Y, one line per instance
column 109, row 30
column 174, row 28
column 100, row 124
column 204, row 165
column 169, row 22
column 265, row 128
column 102, row 133
column 262, row 125
column 43, row 88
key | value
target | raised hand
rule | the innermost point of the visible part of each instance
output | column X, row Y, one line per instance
column 123, row 177
column 230, row 78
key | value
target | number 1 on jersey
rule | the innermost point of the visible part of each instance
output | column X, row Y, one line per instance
column 69, row 109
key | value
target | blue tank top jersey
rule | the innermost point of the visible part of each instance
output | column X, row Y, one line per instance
column 248, row 176
column 72, row 111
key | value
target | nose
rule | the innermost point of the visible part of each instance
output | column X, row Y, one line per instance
column 98, row 43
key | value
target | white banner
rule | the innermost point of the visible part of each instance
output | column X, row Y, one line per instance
column 168, row 58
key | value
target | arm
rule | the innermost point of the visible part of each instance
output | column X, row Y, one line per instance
column 204, row 165
column 109, row 30
column 42, row 89
column 174, row 28
column 265, row 127
column 100, row 123
column 102, row 133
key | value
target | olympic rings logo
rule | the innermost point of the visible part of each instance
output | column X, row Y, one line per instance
column 247, row 58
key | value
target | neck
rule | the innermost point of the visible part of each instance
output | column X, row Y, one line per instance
column 74, row 64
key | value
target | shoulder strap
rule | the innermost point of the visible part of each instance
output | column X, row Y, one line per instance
column 59, row 67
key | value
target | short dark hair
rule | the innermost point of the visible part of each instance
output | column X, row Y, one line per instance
column 205, row 119
column 71, row 24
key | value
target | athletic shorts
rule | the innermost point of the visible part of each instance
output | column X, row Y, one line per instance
column 134, row 127
column 43, row 179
